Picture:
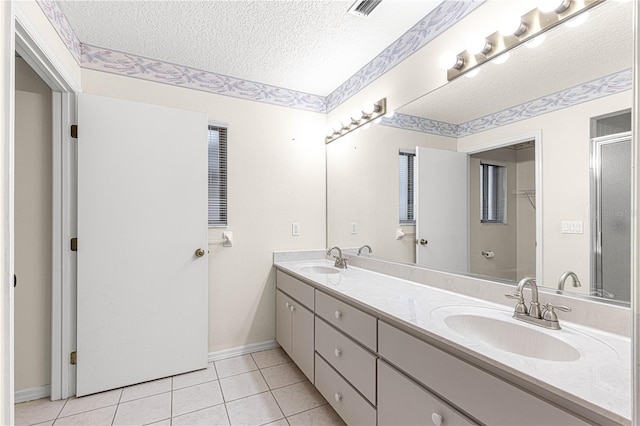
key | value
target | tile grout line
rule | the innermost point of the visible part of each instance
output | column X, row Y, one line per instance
column 226, row 410
column 284, row 416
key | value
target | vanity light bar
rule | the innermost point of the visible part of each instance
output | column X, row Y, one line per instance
column 352, row 123
column 532, row 24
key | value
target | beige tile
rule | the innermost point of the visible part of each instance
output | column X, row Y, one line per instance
column 281, row 422
column 146, row 389
column 48, row 423
column 254, row 410
column 270, row 357
column 91, row 402
column 165, row 422
column 38, row 411
column 196, row 398
column 236, row 365
column 242, row 385
column 321, row 416
column 145, row 410
column 195, row 377
column 99, row 417
column 209, row 416
column 297, row 398
column 283, row 375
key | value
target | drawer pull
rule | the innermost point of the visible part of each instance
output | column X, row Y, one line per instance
column 337, row 397
column 437, row 419
column 338, row 352
column 338, row 314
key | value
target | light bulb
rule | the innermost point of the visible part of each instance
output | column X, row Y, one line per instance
column 390, row 114
column 472, row 73
column 536, row 41
column 368, row 108
column 337, row 126
column 356, row 115
column 509, row 25
column 330, row 131
column 448, row 60
column 501, row 59
column 478, row 45
column 558, row 6
column 578, row 20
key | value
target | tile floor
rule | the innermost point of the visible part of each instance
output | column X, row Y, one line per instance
column 263, row 388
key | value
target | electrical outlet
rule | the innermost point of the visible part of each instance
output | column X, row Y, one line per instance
column 354, row 228
column 295, row 229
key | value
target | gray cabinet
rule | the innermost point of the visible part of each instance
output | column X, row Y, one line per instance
column 403, row 402
column 294, row 322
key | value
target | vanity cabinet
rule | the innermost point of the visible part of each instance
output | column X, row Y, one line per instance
column 374, row 373
column 480, row 394
column 294, row 322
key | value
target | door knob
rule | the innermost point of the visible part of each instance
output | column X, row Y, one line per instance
column 423, row 242
column 199, row 252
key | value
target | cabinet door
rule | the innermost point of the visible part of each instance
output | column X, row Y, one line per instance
column 302, row 339
column 402, row 402
column 283, row 321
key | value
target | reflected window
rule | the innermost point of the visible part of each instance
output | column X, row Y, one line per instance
column 406, row 166
column 493, row 193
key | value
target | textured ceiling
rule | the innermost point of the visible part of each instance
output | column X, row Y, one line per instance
column 310, row 46
column 568, row 57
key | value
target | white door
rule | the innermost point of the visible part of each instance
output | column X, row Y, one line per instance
column 142, row 214
column 442, row 224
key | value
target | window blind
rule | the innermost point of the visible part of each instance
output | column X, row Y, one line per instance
column 493, row 186
column 406, row 167
column 217, row 176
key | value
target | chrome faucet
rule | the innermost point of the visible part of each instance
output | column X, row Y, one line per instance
column 546, row 318
column 366, row 246
column 340, row 261
column 563, row 278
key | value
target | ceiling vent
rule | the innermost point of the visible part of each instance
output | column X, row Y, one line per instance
column 363, row 8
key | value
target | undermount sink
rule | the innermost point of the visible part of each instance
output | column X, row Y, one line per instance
column 318, row 269
column 512, row 337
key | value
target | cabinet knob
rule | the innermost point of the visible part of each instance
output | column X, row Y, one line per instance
column 337, row 397
column 437, row 419
column 338, row 352
column 287, row 305
column 338, row 314
column 292, row 308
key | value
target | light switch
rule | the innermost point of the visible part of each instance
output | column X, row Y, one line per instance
column 295, row 229
column 354, row 228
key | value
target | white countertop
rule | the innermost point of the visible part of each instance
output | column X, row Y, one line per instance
column 600, row 379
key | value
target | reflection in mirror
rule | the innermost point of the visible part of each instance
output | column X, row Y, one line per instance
column 518, row 212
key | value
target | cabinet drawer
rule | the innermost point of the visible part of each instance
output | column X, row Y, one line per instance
column 295, row 288
column 349, row 404
column 352, row 361
column 354, row 322
column 402, row 402
column 482, row 395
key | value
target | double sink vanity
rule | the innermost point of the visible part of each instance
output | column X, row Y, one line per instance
column 388, row 351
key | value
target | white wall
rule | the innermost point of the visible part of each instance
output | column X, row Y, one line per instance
column 565, row 180
column 273, row 181
column 363, row 187
column 33, row 229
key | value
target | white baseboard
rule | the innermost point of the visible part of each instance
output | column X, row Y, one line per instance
column 32, row 393
column 243, row 350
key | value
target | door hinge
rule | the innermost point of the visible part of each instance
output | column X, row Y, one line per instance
column 74, row 131
column 73, row 358
column 74, row 244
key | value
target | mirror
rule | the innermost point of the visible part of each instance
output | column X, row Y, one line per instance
column 549, row 98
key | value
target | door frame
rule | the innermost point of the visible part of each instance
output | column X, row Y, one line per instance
column 32, row 47
column 536, row 136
